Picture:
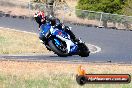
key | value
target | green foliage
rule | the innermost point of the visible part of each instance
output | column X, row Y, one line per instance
column 107, row 6
column 127, row 8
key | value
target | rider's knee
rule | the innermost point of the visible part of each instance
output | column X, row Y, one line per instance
column 43, row 38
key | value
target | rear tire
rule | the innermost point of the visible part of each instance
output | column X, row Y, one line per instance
column 56, row 50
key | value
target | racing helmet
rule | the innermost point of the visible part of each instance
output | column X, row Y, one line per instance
column 40, row 14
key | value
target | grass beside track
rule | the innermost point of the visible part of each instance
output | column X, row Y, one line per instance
column 14, row 42
column 15, row 74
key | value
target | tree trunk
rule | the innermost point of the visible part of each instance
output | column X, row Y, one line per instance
column 50, row 7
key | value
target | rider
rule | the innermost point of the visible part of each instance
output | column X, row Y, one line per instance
column 43, row 21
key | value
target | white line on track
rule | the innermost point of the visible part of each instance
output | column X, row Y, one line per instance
column 93, row 48
column 4, row 28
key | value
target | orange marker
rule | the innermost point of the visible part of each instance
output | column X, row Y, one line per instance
column 81, row 70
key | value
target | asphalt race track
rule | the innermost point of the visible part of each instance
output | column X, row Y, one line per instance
column 116, row 45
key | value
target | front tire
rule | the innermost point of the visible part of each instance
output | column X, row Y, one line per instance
column 83, row 50
column 56, row 50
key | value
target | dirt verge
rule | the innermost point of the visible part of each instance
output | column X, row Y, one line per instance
column 35, row 68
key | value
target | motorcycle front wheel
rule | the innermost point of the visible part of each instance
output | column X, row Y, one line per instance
column 83, row 50
column 60, row 50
